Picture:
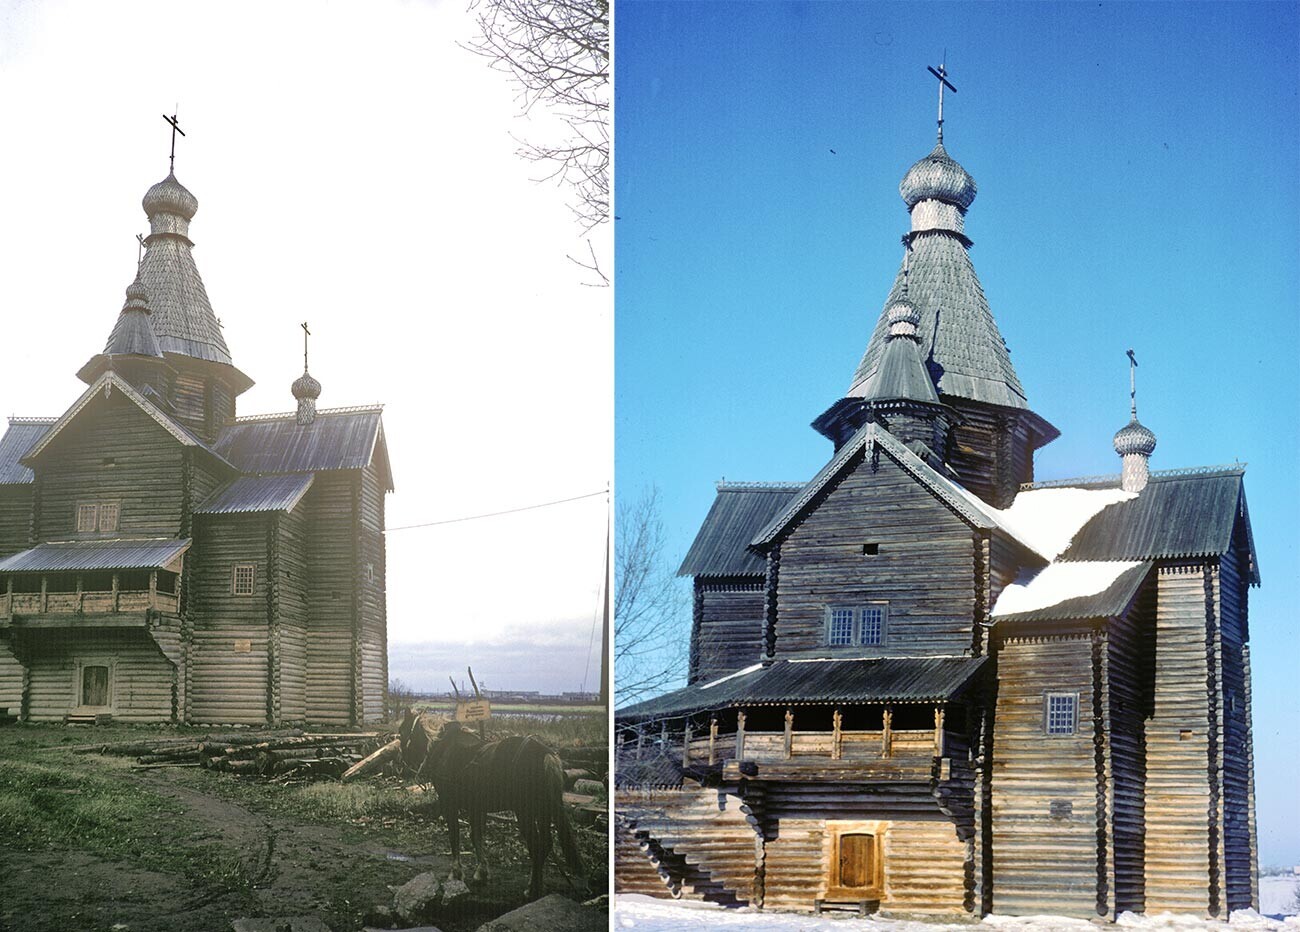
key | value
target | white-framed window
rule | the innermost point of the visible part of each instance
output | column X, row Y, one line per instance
column 1060, row 713
column 87, row 518
column 848, row 625
column 841, row 627
column 243, row 577
column 97, row 516
column 108, row 514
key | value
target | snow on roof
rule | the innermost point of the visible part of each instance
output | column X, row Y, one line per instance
column 1057, row 583
column 1046, row 520
column 731, row 676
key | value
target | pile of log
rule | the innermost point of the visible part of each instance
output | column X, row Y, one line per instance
column 281, row 753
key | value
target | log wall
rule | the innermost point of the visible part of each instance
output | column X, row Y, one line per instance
column 332, row 679
column 371, row 644
column 117, row 453
column 706, row 827
column 925, row 567
column 228, row 683
column 1238, row 789
column 1044, row 787
column 15, row 518
column 140, row 679
column 1178, row 786
column 928, row 870
column 1129, row 669
column 291, row 605
column 990, row 451
column 728, row 631
column 12, row 676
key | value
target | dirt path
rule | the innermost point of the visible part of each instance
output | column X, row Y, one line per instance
column 263, row 864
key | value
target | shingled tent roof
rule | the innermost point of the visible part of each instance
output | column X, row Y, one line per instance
column 721, row 548
column 1181, row 513
column 817, row 682
column 22, row 435
column 338, row 438
column 960, row 342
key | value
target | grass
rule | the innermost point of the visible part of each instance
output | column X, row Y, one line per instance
column 53, row 801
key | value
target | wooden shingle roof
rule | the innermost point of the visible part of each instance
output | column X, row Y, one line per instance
column 809, row 682
column 339, row 438
column 249, row 494
column 721, row 548
column 960, row 342
column 22, row 435
column 72, row 555
column 1178, row 514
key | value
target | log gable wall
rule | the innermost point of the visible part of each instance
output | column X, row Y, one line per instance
column 925, row 568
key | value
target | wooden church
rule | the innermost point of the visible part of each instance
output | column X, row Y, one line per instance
column 923, row 684
column 165, row 560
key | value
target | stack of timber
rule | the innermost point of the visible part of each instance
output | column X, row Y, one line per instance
column 280, row 753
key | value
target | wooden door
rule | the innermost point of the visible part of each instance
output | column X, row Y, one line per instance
column 94, row 686
column 857, row 861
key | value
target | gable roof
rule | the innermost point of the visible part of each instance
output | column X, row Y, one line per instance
column 741, row 509
column 108, row 381
column 1180, row 513
column 70, row 555
column 339, row 438
column 967, row 506
column 17, row 440
column 808, row 682
column 249, row 494
column 1064, row 591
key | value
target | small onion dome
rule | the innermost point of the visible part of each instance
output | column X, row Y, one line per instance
column 1134, row 438
column 169, row 196
column 938, row 177
column 305, row 387
column 137, row 297
column 903, row 318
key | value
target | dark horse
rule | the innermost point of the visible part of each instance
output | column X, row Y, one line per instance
column 476, row 777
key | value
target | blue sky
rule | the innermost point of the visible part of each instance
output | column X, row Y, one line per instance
column 1137, row 170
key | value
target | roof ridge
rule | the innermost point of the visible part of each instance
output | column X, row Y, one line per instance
column 15, row 419
column 725, row 486
column 1225, row 469
column 347, row 409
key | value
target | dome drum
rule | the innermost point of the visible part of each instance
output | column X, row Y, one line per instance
column 931, row 214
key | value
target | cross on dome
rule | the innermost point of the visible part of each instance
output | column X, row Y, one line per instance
column 942, row 74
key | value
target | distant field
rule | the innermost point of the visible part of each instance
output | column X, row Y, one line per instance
column 516, row 708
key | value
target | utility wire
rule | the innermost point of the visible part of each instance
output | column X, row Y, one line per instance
column 493, row 514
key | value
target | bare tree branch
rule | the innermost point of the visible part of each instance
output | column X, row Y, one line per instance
column 557, row 53
column 649, row 605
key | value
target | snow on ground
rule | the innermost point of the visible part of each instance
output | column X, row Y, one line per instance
column 1279, row 894
column 646, row 914
column 1058, row 582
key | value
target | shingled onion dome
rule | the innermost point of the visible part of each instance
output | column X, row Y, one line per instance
column 306, row 389
column 1135, row 443
column 937, row 192
column 169, row 196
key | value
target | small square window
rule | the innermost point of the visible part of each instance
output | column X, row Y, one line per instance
column 870, row 550
column 1061, row 710
column 87, row 518
column 245, row 573
column 108, row 512
column 841, row 627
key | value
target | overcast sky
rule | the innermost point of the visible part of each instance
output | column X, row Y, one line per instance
column 1137, row 170
column 354, row 168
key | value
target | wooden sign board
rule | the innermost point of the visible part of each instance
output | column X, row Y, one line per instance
column 473, row 710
